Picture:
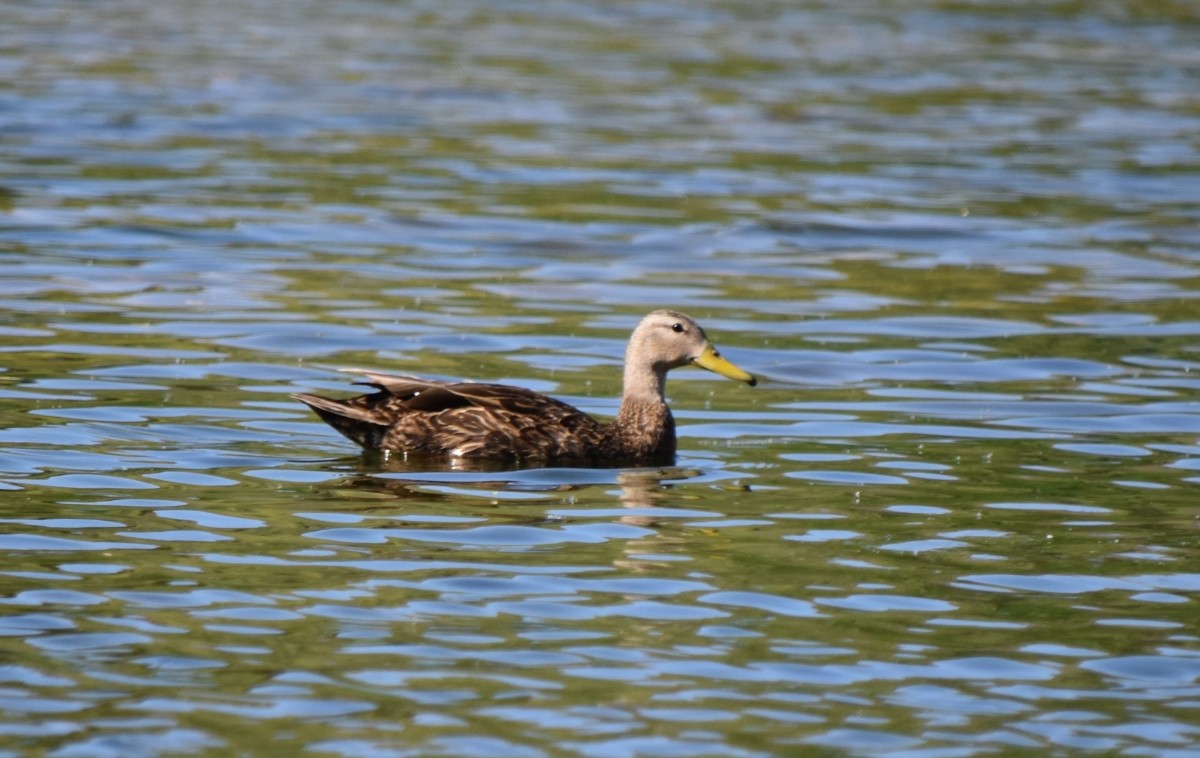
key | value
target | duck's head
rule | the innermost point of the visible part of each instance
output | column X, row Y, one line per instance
column 668, row 339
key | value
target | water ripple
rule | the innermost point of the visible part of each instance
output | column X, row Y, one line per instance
column 954, row 241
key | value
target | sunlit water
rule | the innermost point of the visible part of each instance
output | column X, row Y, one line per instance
column 959, row 242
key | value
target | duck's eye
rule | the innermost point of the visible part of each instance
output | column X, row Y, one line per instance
column 677, row 327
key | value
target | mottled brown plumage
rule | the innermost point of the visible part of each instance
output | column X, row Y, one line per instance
column 467, row 421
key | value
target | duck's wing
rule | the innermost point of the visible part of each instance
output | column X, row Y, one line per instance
column 466, row 419
column 501, row 421
column 411, row 393
column 432, row 396
column 367, row 419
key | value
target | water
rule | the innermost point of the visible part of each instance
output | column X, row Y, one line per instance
column 957, row 241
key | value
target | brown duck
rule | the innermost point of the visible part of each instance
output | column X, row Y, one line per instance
column 465, row 421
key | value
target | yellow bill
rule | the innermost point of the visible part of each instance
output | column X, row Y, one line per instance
column 712, row 360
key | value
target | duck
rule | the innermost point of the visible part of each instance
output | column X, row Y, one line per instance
column 467, row 421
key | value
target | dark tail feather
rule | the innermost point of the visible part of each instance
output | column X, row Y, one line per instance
column 353, row 423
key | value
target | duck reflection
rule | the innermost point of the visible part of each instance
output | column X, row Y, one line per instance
column 486, row 484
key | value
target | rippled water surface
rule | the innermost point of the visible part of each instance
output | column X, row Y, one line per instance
column 960, row 243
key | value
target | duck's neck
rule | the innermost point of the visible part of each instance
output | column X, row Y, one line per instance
column 644, row 428
column 643, row 385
